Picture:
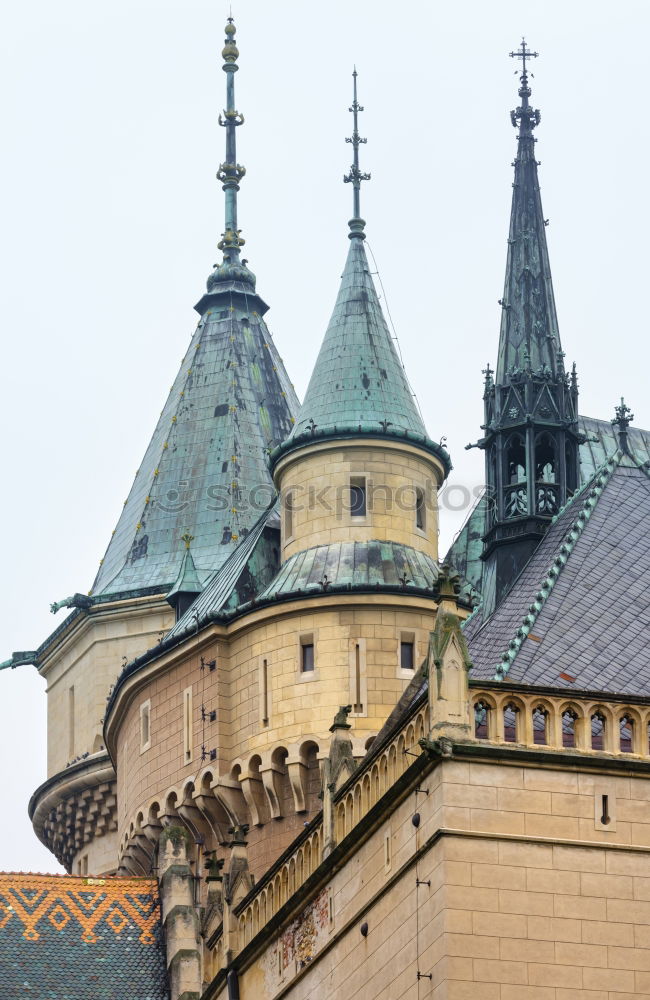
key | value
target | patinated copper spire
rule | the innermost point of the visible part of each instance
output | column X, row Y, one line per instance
column 355, row 176
column 529, row 334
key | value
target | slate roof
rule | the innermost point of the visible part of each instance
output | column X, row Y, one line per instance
column 465, row 551
column 355, row 565
column 579, row 613
column 206, row 466
column 65, row 937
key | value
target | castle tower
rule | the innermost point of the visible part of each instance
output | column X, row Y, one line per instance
column 199, row 490
column 531, row 404
column 358, row 466
column 323, row 611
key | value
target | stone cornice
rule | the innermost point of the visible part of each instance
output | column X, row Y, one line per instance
column 75, row 806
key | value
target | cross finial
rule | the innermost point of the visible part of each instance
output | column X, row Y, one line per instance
column 188, row 539
column 524, row 117
column 523, row 53
column 355, row 175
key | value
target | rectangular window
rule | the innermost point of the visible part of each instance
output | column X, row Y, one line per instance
column 306, row 655
column 187, row 725
column 407, row 652
column 71, row 722
column 420, row 510
column 358, row 496
column 145, row 726
column 84, row 865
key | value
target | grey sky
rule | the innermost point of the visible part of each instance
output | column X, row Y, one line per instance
column 111, row 215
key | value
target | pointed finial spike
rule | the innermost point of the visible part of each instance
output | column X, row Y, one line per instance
column 355, row 176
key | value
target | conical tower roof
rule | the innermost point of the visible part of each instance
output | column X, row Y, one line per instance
column 529, row 336
column 358, row 377
column 358, row 385
column 205, row 471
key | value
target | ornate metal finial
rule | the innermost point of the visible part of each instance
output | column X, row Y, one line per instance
column 188, row 539
column 355, row 176
column 230, row 173
column 524, row 117
column 622, row 421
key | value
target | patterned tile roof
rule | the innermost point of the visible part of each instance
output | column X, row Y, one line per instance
column 65, row 937
column 579, row 613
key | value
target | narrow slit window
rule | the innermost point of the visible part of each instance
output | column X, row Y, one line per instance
column 420, row 510
column 358, row 704
column 265, row 693
column 288, row 516
column 71, row 722
column 187, row 725
column 605, row 818
column 145, row 725
column 307, row 663
column 406, row 655
column 358, row 496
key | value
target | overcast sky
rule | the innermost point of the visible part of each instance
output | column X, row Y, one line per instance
column 111, row 215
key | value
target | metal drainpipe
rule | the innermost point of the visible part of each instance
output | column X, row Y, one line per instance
column 233, row 985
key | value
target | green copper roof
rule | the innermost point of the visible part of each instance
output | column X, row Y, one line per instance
column 358, row 377
column 187, row 581
column 529, row 334
column 205, row 472
column 353, row 565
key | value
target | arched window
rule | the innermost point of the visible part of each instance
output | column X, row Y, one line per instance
column 481, row 720
column 626, row 732
column 598, row 731
column 540, row 726
column 510, row 723
column 545, row 459
column 516, row 460
column 569, row 718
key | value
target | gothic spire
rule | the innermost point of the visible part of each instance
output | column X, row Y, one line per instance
column 355, row 175
column 529, row 337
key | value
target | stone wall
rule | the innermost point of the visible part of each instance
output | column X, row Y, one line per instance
column 274, row 762
column 529, row 898
column 318, row 482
